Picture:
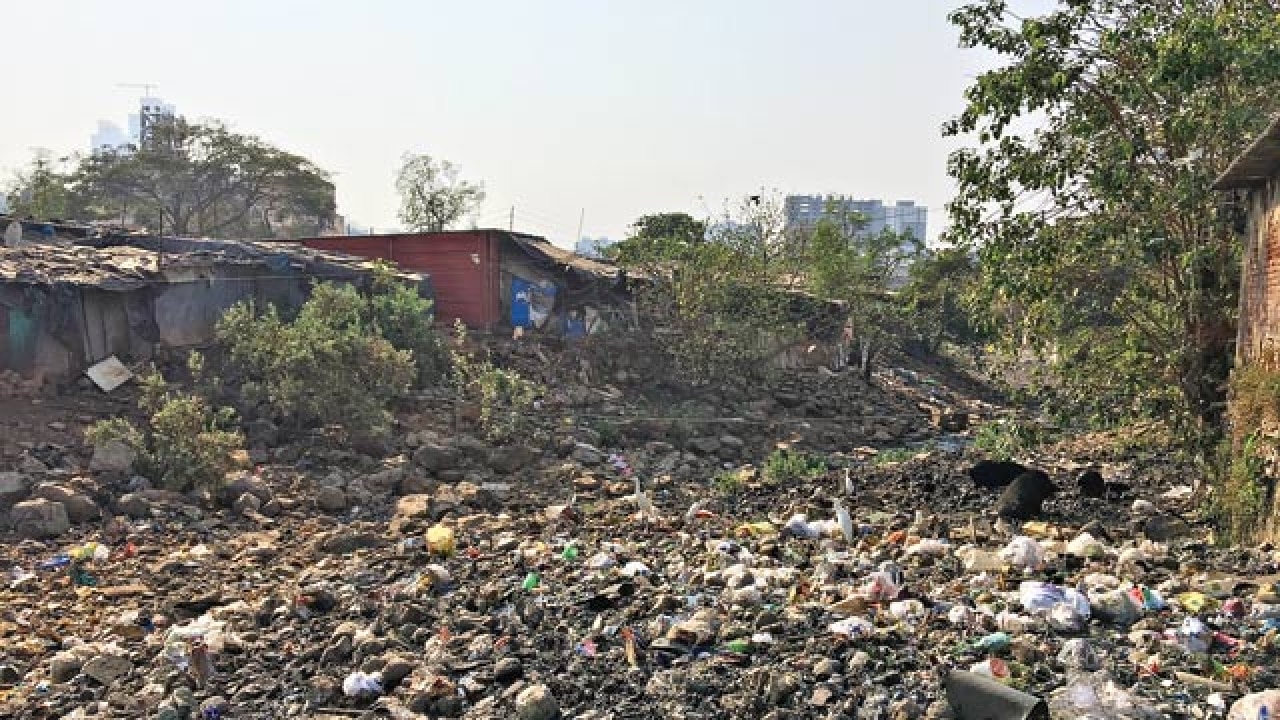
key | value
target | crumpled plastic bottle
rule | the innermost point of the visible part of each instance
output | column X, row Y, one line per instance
column 1097, row 696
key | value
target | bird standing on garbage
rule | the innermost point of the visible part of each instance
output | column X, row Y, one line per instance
column 845, row 520
column 644, row 506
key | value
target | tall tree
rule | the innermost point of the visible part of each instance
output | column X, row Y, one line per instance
column 204, row 179
column 432, row 196
column 1087, row 193
column 39, row 191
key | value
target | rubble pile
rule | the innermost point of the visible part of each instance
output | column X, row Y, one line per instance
column 628, row 574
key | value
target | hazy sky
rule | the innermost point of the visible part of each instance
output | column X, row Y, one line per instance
column 617, row 108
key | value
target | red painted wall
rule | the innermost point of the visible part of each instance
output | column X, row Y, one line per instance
column 463, row 267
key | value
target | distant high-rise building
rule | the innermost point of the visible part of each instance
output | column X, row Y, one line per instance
column 592, row 247
column 905, row 216
column 150, row 111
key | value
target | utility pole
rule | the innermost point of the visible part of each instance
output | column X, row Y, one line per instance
column 581, row 216
column 511, row 224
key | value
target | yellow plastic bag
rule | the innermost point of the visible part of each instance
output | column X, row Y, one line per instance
column 440, row 541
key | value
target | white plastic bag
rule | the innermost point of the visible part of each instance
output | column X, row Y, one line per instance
column 361, row 684
column 1257, row 705
column 1023, row 553
column 1085, row 545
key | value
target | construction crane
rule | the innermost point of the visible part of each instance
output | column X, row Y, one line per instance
column 146, row 87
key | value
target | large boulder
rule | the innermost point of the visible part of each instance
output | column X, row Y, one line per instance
column 995, row 473
column 435, row 457
column 112, row 457
column 40, row 518
column 13, row 486
column 80, row 507
column 510, row 458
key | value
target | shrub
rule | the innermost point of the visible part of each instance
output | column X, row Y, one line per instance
column 790, row 466
column 330, row 366
column 407, row 321
column 1003, row 439
column 185, row 445
column 505, row 397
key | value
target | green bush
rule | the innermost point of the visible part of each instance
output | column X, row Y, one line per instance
column 407, row 321
column 1003, row 439
column 729, row 482
column 790, row 466
column 185, row 445
column 330, row 366
column 505, row 397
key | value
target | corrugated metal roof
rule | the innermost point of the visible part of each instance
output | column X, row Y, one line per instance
column 1257, row 164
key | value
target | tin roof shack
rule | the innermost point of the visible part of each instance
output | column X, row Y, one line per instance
column 64, row 307
column 494, row 280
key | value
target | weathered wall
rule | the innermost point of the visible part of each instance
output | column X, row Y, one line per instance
column 1259, row 325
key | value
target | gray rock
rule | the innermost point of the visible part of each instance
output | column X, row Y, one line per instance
column 107, row 668
column 331, row 499
column 1163, row 528
column 64, row 666
column 112, row 457
column 435, row 457
column 247, row 504
column 510, row 458
column 536, row 703
column 507, row 670
column 134, row 505
column 80, row 507
column 247, row 483
column 704, row 445
column 13, row 486
column 345, row 541
column 586, row 454
column 383, row 482
column 40, row 518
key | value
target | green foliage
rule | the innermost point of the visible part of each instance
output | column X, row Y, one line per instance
column 721, row 304
column 658, row 235
column 939, row 284
column 787, row 466
column 1238, row 503
column 432, row 196
column 407, row 321
column 330, row 366
column 185, row 445
column 40, row 191
column 505, row 398
column 610, row 435
column 890, row 456
column 202, row 179
column 1007, row 439
column 1087, row 195
column 729, row 482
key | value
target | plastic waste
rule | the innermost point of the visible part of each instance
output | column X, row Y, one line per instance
column 1038, row 597
column 906, row 609
column 1078, row 654
column 977, row 560
column 1097, row 696
column 880, row 587
column 1067, row 619
column 763, row 528
column 961, row 615
column 601, row 561
column 362, row 685
column 1023, row 553
column 929, row 547
column 1194, row 636
column 1115, row 606
column 90, row 551
column 994, row 642
column 973, row 696
column 570, row 552
column 82, row 577
column 635, row 568
column 852, row 627
column 17, row 576
column 441, row 541
column 1195, row 602
column 800, row 527
column 991, row 667
column 55, row 562
column 1085, row 545
column 531, row 581
column 1263, row 705
column 1147, row 598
